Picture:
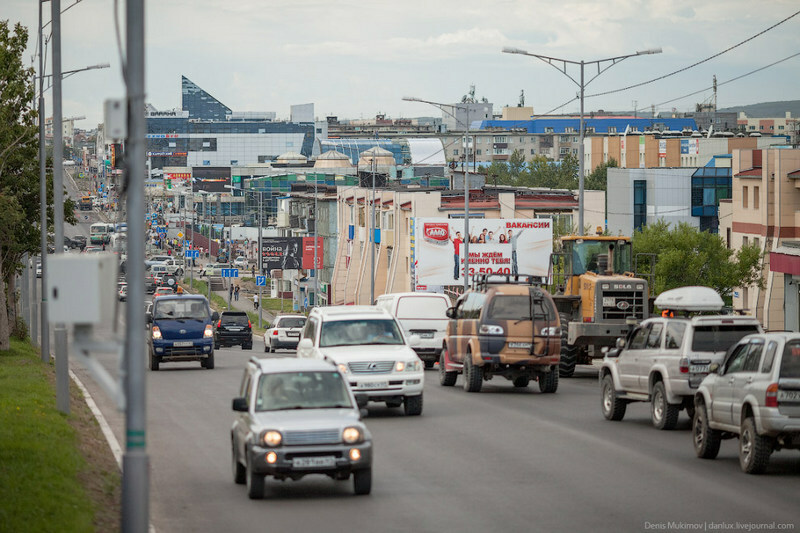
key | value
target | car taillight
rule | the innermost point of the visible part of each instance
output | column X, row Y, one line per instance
column 249, row 325
column 275, row 332
column 588, row 319
column 219, row 324
column 771, row 399
column 683, row 364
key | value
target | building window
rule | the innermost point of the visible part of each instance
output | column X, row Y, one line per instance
column 501, row 139
column 728, row 239
column 751, row 127
column 590, row 129
column 533, row 152
column 756, row 198
column 565, row 138
column 745, row 241
column 563, row 151
column 569, row 130
column 455, row 152
column 522, row 140
column 780, row 128
column 744, row 196
column 756, row 242
column 639, row 204
column 361, row 217
column 478, row 152
column 548, row 130
column 612, row 129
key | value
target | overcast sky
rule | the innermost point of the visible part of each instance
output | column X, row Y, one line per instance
column 354, row 59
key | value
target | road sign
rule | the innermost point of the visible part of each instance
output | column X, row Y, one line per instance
column 261, row 281
column 85, row 217
column 180, row 235
column 192, row 254
column 229, row 272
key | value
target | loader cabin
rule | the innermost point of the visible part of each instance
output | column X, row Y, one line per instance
column 601, row 254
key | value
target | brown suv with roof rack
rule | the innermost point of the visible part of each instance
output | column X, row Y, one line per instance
column 507, row 326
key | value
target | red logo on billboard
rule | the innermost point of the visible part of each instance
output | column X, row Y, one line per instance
column 436, row 232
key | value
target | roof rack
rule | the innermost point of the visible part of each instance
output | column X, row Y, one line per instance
column 481, row 282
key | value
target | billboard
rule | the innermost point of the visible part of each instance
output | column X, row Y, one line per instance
column 290, row 253
column 506, row 246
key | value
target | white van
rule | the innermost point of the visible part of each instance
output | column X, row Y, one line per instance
column 423, row 314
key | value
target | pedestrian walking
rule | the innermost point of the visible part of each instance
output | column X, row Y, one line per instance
column 255, row 301
column 230, row 291
column 236, row 293
column 253, row 270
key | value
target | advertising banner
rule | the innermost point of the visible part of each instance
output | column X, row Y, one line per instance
column 504, row 246
column 290, row 253
column 662, row 148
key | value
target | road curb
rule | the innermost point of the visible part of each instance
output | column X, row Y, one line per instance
column 113, row 443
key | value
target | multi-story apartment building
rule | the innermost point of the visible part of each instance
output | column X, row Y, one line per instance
column 764, row 211
column 786, row 125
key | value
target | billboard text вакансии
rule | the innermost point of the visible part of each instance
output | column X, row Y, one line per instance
column 497, row 246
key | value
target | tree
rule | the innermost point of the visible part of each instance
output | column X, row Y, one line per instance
column 19, row 170
column 688, row 256
column 597, row 180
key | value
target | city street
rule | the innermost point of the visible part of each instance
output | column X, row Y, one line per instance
column 500, row 460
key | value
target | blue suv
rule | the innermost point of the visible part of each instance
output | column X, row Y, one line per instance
column 181, row 329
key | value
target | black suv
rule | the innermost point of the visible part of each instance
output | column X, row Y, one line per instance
column 232, row 328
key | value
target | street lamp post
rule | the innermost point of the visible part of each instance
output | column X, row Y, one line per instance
column 609, row 62
column 466, row 176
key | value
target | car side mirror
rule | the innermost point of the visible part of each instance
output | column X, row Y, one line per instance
column 620, row 343
column 240, row 404
column 451, row 312
column 305, row 344
column 148, row 317
column 715, row 368
column 414, row 340
column 363, row 413
column 214, row 316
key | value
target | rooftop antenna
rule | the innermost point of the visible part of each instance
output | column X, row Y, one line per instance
column 522, row 98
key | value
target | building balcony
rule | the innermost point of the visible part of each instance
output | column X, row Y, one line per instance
column 282, row 220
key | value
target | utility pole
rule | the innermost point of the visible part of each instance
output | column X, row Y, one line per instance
column 44, row 320
column 135, row 462
column 59, row 330
column 316, row 243
column 466, row 206
column 260, row 257
column 372, row 232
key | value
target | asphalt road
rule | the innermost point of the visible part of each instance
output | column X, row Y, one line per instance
column 501, row 460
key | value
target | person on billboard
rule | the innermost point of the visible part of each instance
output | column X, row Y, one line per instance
column 456, row 249
column 513, row 240
column 490, row 237
column 502, row 239
column 290, row 259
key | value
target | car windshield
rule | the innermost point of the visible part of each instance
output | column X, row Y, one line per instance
column 238, row 319
column 422, row 307
column 718, row 338
column 180, row 309
column 302, row 390
column 790, row 363
column 291, row 322
column 518, row 307
column 357, row 332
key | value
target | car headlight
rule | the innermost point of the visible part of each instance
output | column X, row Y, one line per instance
column 271, row 438
column 209, row 332
column 156, row 332
column 342, row 368
column 351, row 435
column 554, row 331
column 408, row 366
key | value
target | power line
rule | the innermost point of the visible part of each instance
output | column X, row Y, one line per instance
column 698, row 63
column 730, row 80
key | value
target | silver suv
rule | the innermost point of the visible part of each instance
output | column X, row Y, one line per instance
column 296, row 417
column 753, row 395
column 664, row 360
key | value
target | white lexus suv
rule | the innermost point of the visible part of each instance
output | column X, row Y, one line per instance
column 371, row 350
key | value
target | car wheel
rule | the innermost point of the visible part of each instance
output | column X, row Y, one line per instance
column 208, row 362
column 266, row 346
column 446, row 378
column 706, row 440
column 521, row 381
column 362, row 481
column 155, row 360
column 216, row 346
column 548, row 382
column 255, row 482
column 473, row 375
column 239, row 471
column 569, row 354
column 412, row 405
column 754, row 449
column 429, row 365
column 663, row 414
column 613, row 407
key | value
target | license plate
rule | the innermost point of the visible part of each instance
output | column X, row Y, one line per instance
column 292, row 333
column 234, row 329
column 789, row 395
column 182, row 344
column 373, row 384
column 426, row 335
column 698, row 369
column 519, row 345
column 314, row 462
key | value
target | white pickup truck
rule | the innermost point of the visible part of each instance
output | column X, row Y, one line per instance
column 174, row 266
column 664, row 359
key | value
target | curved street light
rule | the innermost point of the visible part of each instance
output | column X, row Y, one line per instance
column 602, row 66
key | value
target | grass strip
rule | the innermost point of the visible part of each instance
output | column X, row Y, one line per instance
column 40, row 462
